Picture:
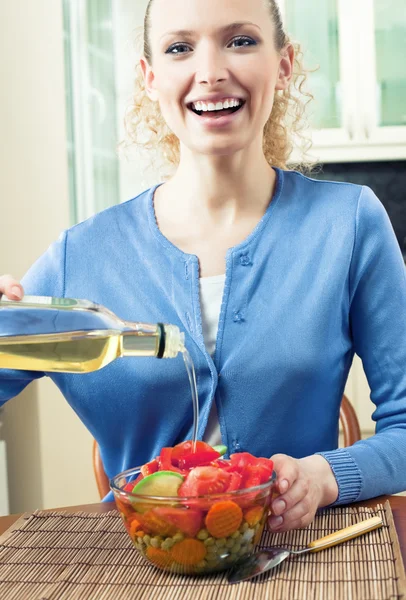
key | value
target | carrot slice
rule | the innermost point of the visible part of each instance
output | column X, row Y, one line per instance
column 253, row 515
column 223, row 519
column 159, row 557
column 139, row 534
column 188, row 552
column 134, row 527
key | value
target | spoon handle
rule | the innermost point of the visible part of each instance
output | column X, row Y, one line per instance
column 348, row 533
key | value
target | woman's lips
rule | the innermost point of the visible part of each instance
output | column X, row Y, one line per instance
column 212, row 119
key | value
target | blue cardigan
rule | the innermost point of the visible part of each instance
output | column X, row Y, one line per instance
column 319, row 278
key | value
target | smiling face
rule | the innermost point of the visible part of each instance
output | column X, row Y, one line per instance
column 214, row 69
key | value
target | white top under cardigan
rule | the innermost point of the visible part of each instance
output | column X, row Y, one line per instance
column 211, row 295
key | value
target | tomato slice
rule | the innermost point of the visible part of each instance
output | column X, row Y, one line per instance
column 188, row 521
column 242, row 459
column 198, row 459
column 235, row 482
column 150, row 467
column 165, row 461
column 153, row 523
column 184, row 448
column 205, row 480
column 131, row 484
column 252, row 476
column 266, row 467
column 221, row 463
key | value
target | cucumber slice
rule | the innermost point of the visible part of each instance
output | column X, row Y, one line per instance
column 220, row 449
column 161, row 483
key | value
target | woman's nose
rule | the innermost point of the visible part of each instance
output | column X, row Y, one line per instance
column 211, row 70
column 211, row 78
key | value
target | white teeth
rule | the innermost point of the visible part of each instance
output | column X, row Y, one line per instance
column 210, row 106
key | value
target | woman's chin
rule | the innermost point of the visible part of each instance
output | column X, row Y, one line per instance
column 218, row 149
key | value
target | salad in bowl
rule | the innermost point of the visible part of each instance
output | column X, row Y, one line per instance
column 195, row 512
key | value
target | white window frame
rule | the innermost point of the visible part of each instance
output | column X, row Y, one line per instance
column 360, row 138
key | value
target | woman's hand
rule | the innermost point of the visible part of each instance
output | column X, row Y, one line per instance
column 11, row 288
column 304, row 485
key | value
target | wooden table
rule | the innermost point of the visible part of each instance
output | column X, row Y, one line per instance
column 398, row 505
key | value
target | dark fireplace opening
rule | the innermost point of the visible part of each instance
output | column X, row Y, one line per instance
column 387, row 179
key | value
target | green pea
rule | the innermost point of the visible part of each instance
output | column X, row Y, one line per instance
column 203, row 534
column 167, row 544
column 209, row 541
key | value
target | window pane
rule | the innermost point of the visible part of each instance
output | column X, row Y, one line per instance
column 390, row 35
column 92, row 135
column 70, row 136
column 103, row 102
column 317, row 32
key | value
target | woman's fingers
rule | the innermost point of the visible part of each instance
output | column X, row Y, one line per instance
column 286, row 470
column 11, row 288
column 294, row 519
column 299, row 496
column 299, row 492
column 294, row 509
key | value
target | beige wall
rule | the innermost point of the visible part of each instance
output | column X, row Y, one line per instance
column 49, row 450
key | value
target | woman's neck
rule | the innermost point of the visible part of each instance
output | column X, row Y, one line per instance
column 217, row 188
column 211, row 206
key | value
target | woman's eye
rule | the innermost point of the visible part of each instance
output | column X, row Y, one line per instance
column 242, row 40
column 178, row 49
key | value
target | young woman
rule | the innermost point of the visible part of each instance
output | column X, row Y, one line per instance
column 276, row 279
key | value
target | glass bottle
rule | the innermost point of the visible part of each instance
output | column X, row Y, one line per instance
column 67, row 335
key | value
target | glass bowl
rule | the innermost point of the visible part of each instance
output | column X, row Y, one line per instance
column 195, row 534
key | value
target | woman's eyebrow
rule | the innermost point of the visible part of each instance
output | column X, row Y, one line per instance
column 226, row 29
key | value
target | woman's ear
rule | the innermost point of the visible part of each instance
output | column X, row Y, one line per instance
column 285, row 67
column 149, row 79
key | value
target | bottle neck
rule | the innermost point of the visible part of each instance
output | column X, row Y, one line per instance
column 161, row 341
column 136, row 344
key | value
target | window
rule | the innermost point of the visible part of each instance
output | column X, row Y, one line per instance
column 91, row 101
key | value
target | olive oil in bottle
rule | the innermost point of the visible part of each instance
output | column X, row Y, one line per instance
column 76, row 336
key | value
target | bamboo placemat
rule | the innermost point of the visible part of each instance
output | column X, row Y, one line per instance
column 82, row 556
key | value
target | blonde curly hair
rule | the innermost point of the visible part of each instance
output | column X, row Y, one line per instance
column 286, row 127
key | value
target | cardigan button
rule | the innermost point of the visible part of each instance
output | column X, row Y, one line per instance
column 236, row 446
column 238, row 317
column 245, row 260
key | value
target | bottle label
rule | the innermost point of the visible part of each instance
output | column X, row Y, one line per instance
column 43, row 301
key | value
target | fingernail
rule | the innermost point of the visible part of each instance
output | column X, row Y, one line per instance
column 278, row 506
column 283, row 486
column 16, row 291
column 275, row 522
